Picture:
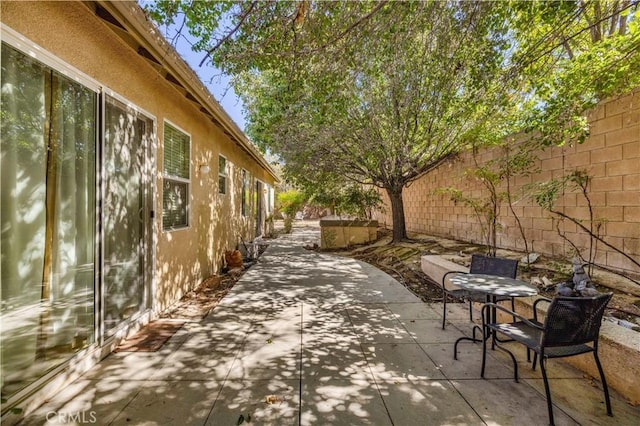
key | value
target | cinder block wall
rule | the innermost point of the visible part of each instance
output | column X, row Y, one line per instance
column 611, row 156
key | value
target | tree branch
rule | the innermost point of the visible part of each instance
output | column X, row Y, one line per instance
column 597, row 237
column 354, row 25
column 243, row 17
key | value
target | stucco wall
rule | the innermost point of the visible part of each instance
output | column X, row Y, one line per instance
column 72, row 32
column 611, row 156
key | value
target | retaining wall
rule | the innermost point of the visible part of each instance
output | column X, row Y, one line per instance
column 611, row 156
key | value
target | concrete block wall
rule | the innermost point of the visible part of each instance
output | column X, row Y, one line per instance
column 611, row 156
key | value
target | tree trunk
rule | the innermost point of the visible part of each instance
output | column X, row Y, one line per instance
column 51, row 129
column 397, row 212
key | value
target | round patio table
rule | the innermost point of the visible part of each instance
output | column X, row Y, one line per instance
column 492, row 286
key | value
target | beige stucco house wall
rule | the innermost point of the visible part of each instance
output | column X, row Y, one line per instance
column 116, row 47
column 73, row 32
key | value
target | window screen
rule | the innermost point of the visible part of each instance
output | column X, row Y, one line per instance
column 222, row 175
column 175, row 188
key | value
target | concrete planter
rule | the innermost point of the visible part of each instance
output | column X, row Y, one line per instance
column 338, row 233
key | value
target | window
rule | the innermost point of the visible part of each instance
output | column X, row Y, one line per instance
column 222, row 175
column 269, row 199
column 246, row 193
column 175, row 187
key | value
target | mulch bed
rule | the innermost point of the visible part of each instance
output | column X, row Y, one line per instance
column 151, row 337
column 196, row 304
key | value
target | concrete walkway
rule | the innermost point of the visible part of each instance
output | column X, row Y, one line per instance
column 308, row 338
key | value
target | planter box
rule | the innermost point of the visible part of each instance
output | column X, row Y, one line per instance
column 436, row 266
column 338, row 233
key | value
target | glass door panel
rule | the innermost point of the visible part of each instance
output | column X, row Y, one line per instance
column 258, row 208
column 47, row 218
column 126, row 219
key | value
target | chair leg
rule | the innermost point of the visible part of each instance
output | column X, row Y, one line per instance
column 604, row 384
column 444, row 310
column 484, row 350
column 470, row 312
column 547, row 390
column 513, row 307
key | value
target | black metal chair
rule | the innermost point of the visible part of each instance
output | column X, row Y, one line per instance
column 479, row 265
column 571, row 327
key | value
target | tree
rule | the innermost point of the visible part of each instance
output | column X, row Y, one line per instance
column 571, row 55
column 382, row 93
column 383, row 105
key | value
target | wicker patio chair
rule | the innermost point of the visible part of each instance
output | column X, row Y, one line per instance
column 479, row 265
column 571, row 327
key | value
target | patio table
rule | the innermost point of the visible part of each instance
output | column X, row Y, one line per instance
column 492, row 286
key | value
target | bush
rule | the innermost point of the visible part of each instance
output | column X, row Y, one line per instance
column 291, row 202
column 288, row 224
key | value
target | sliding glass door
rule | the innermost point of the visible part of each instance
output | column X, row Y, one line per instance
column 126, row 218
column 48, row 220
column 48, row 203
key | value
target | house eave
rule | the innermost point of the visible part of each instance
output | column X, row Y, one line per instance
column 134, row 27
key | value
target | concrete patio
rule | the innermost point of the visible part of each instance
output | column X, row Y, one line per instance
column 308, row 338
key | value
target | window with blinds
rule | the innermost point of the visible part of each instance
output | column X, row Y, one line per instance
column 222, row 175
column 176, row 178
column 246, row 193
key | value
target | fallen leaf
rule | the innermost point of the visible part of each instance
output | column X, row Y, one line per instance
column 272, row 399
column 269, row 341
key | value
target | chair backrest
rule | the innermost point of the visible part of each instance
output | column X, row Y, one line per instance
column 574, row 320
column 493, row 266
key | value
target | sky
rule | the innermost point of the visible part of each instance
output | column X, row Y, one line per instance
column 213, row 78
column 216, row 82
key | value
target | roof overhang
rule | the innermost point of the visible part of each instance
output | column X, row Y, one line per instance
column 134, row 27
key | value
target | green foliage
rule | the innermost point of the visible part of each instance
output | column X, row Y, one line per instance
column 291, row 201
column 346, row 198
column 378, row 93
column 493, row 175
column 545, row 194
column 485, row 209
column 571, row 55
column 381, row 93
